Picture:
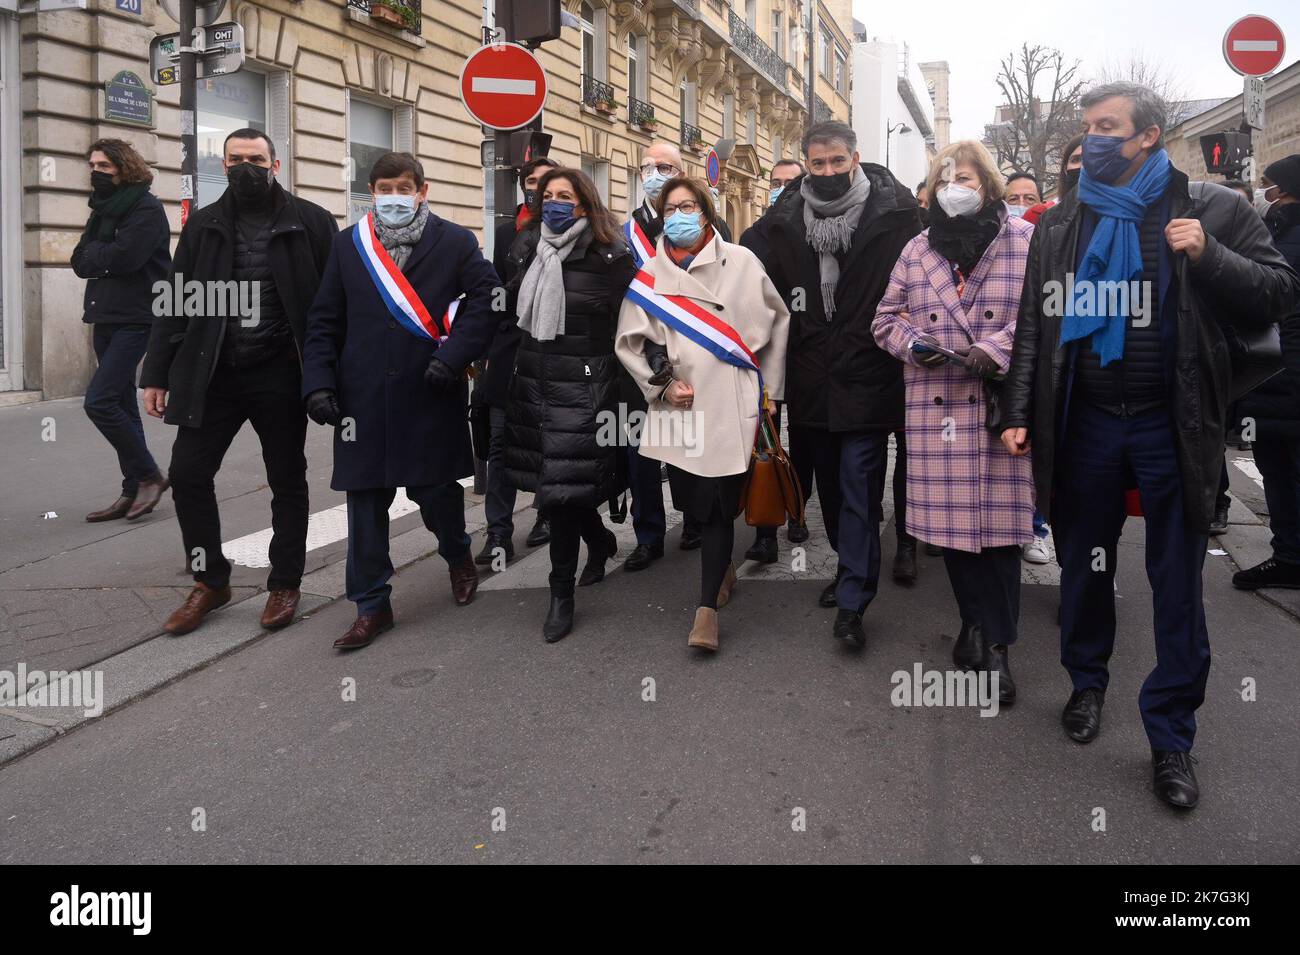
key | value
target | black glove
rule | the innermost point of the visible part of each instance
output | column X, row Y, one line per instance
column 657, row 357
column 930, row 359
column 982, row 363
column 440, row 376
column 323, row 407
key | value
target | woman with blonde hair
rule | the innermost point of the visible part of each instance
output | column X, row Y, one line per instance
column 702, row 333
column 950, row 316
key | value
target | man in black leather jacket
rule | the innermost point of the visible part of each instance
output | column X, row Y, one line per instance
column 1157, row 414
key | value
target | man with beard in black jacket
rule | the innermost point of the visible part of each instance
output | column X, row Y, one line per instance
column 234, row 355
column 1274, row 407
column 829, row 249
column 1137, row 384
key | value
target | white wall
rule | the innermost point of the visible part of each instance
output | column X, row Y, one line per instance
column 877, row 103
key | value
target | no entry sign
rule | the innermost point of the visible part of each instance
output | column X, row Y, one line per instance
column 712, row 167
column 1254, row 46
column 503, row 86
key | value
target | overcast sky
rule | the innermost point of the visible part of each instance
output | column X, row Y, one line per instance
column 1185, row 37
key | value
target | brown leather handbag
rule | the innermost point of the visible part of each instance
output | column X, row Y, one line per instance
column 771, row 492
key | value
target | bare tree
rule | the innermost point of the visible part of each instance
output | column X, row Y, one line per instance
column 1150, row 72
column 1040, row 92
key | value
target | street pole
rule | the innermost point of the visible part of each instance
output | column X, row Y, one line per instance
column 189, row 101
column 812, row 62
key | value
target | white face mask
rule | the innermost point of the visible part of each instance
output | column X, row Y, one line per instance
column 1017, row 211
column 959, row 200
column 1262, row 205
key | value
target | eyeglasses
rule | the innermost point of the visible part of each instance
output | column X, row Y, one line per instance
column 663, row 168
column 689, row 206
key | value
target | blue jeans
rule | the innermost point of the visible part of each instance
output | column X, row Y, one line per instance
column 442, row 506
column 1040, row 526
column 111, row 402
column 1278, row 460
column 1099, row 451
column 863, row 460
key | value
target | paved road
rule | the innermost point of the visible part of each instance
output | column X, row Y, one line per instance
column 464, row 718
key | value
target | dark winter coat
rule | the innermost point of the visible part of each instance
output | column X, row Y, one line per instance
column 120, row 274
column 1275, row 405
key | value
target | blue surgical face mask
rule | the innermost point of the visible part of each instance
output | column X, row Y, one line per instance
column 1102, row 158
column 683, row 230
column 774, row 195
column 1017, row 211
column 653, row 184
column 395, row 211
column 558, row 215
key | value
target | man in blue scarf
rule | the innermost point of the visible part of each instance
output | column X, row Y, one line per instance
column 1121, row 376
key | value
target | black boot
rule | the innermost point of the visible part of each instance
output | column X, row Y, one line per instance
column 559, row 618
column 905, row 562
column 594, row 571
column 540, row 534
column 827, row 597
column 1220, row 523
column 848, row 628
column 796, row 533
column 995, row 661
column 968, row 649
column 763, row 550
column 1174, row 779
column 489, row 551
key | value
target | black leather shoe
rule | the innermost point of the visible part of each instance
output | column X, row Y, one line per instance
column 968, row 649
column 643, row 555
column 995, row 661
column 559, row 619
column 762, row 550
column 1082, row 714
column 691, row 539
column 1174, row 779
column 826, row 600
column 490, row 548
column 540, row 534
column 1220, row 523
column 594, row 571
column 796, row 533
column 1271, row 573
column 905, row 562
column 848, row 628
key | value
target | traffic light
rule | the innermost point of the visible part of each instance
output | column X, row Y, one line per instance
column 1225, row 153
column 527, row 145
column 529, row 21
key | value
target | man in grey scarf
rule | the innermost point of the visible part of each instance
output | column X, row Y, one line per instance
column 829, row 249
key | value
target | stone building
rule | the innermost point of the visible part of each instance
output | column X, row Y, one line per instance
column 936, row 83
column 333, row 86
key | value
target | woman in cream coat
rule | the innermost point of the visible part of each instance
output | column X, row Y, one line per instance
column 703, row 412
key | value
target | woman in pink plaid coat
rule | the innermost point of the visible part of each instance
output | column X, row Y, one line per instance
column 956, row 289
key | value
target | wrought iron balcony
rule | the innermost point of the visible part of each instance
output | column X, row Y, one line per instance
column 405, row 13
column 690, row 6
column 692, row 135
column 822, row 111
column 640, row 113
column 751, row 46
column 596, row 94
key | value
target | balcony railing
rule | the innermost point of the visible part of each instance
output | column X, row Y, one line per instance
column 691, row 135
column 822, row 111
column 748, row 43
column 596, row 94
column 690, row 6
column 405, row 11
column 640, row 113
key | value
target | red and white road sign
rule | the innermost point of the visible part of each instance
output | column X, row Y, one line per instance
column 503, row 86
column 1254, row 46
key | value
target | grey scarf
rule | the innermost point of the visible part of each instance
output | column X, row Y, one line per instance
column 541, row 293
column 398, row 241
column 830, row 225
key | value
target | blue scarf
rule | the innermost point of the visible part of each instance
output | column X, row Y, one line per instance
column 1113, row 255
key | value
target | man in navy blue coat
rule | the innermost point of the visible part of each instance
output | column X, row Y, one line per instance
column 384, row 364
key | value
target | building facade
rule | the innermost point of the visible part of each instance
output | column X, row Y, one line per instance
column 936, row 83
column 334, row 85
column 892, row 112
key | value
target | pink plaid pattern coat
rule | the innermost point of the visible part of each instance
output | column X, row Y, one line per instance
column 964, row 489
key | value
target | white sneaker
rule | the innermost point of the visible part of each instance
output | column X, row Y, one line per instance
column 1036, row 552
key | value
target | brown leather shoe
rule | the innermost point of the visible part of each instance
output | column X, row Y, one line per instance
column 201, row 602
column 147, row 497
column 113, row 512
column 464, row 580
column 281, row 605
column 364, row 629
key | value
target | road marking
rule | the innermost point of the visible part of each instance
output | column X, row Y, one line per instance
column 496, row 84
column 323, row 528
column 1248, row 467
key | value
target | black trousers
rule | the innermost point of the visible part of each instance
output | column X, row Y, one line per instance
column 987, row 588
column 111, row 402
column 900, row 490
column 268, row 396
column 570, row 526
column 815, row 454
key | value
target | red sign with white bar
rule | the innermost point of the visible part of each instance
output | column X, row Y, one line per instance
column 503, row 86
column 1254, row 46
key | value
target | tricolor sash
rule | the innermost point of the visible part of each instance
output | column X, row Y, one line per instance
column 643, row 250
column 691, row 320
column 396, row 292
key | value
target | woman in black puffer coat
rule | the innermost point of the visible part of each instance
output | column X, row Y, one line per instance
column 562, row 432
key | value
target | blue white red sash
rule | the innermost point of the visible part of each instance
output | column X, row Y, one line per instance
column 396, row 292
column 691, row 320
column 643, row 250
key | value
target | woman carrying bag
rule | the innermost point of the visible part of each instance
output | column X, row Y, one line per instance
column 949, row 315
column 573, row 269
column 702, row 332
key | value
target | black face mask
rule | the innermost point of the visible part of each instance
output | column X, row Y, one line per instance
column 251, row 184
column 832, row 186
column 530, row 196
column 101, row 183
column 1071, row 178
